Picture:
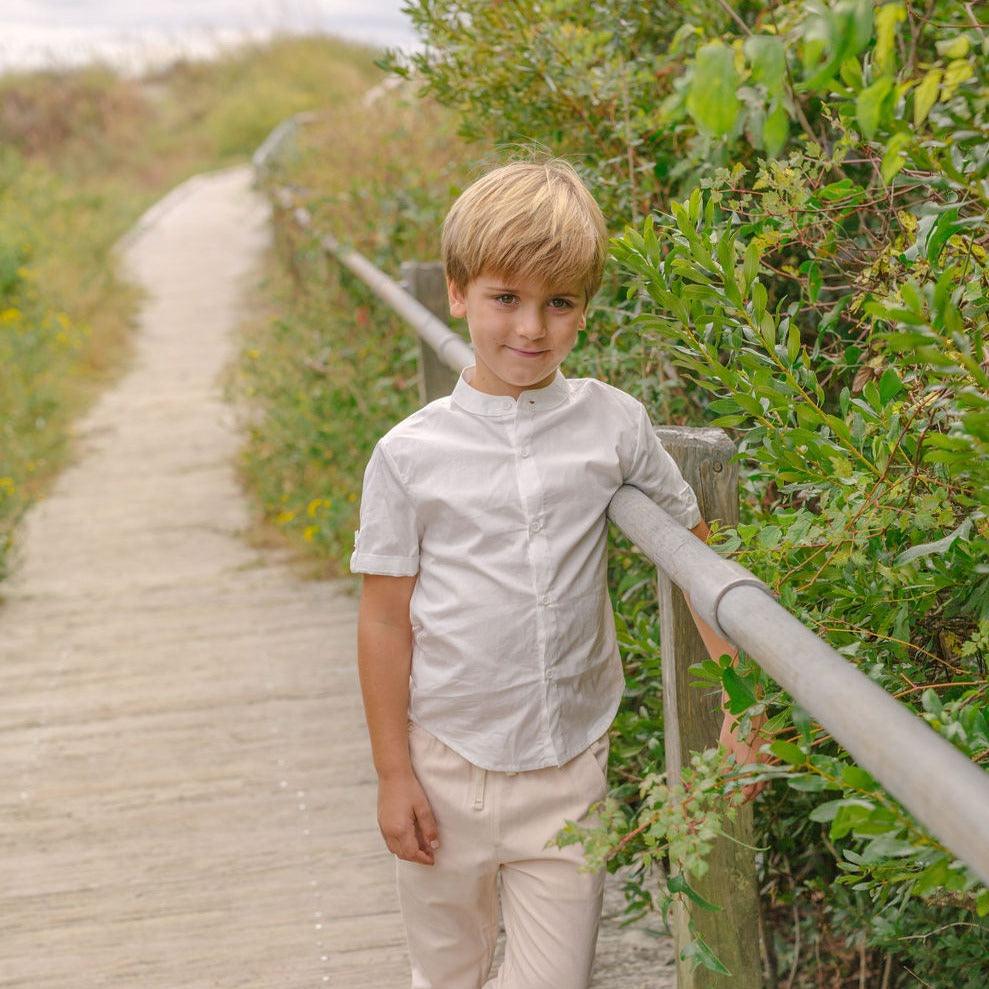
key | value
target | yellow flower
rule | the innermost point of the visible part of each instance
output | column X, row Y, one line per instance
column 284, row 516
column 310, row 533
column 7, row 485
column 9, row 315
column 312, row 507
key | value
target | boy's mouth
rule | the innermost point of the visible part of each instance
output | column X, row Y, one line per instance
column 527, row 353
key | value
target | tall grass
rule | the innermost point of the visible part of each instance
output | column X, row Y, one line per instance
column 82, row 153
column 326, row 367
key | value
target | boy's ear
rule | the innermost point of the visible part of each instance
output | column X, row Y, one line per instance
column 455, row 298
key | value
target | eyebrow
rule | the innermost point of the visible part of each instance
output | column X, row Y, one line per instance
column 562, row 295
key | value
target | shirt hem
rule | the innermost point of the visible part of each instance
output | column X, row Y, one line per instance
column 600, row 727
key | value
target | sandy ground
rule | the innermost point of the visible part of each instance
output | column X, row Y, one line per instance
column 188, row 797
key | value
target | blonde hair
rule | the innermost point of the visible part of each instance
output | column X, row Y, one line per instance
column 530, row 218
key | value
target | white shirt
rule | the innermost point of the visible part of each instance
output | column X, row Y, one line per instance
column 500, row 507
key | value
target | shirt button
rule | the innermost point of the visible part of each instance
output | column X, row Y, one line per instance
column 549, row 674
column 544, row 599
column 536, row 526
column 525, row 451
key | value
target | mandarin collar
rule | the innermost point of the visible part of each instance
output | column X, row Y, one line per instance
column 474, row 400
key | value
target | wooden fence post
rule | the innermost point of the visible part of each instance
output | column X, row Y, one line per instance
column 425, row 281
column 692, row 718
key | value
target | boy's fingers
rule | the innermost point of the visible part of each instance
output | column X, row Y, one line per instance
column 408, row 847
column 427, row 823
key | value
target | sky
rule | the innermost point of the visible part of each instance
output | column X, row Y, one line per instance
column 138, row 34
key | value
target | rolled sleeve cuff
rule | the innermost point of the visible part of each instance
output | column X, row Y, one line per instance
column 690, row 517
column 393, row 566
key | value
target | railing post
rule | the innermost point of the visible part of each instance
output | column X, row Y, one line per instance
column 692, row 718
column 425, row 281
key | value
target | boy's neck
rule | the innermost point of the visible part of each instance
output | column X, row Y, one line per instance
column 496, row 386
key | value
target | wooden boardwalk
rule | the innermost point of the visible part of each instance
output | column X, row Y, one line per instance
column 188, row 799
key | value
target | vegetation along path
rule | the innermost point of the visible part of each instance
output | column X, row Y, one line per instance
column 188, row 794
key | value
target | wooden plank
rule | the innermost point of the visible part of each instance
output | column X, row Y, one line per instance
column 693, row 722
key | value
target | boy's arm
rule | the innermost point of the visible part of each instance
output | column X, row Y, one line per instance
column 384, row 661
column 744, row 750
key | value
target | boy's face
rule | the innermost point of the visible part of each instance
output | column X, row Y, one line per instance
column 506, row 319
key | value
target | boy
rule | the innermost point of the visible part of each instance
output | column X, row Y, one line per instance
column 487, row 655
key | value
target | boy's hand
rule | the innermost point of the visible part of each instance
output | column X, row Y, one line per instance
column 406, row 819
column 747, row 751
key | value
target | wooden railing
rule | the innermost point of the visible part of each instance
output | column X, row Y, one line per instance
column 943, row 789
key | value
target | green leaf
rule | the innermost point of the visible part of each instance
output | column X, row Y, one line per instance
column 910, row 294
column 826, row 811
column 931, row 702
column 889, row 386
column 943, row 228
column 730, row 420
column 925, row 96
column 868, row 105
column 750, row 266
column 887, row 17
column 678, row 884
column 809, row 784
column 858, row 777
column 793, row 343
column 849, row 813
column 758, row 299
column 838, row 190
column 957, row 72
column 886, row 846
column 893, row 158
column 712, row 100
column 769, row 536
column 851, row 73
column 768, row 60
column 844, row 30
column 788, row 752
column 775, row 130
column 933, row 876
column 708, row 958
column 740, row 695
column 814, row 280
column 956, row 47
column 982, row 902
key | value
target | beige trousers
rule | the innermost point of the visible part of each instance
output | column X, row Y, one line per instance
column 494, row 826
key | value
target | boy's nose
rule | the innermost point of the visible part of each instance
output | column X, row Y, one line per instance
column 532, row 333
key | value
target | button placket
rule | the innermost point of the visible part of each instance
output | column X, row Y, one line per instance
column 533, row 495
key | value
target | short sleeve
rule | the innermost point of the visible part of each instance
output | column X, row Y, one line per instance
column 654, row 472
column 387, row 541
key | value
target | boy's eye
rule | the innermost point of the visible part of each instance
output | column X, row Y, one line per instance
column 567, row 304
